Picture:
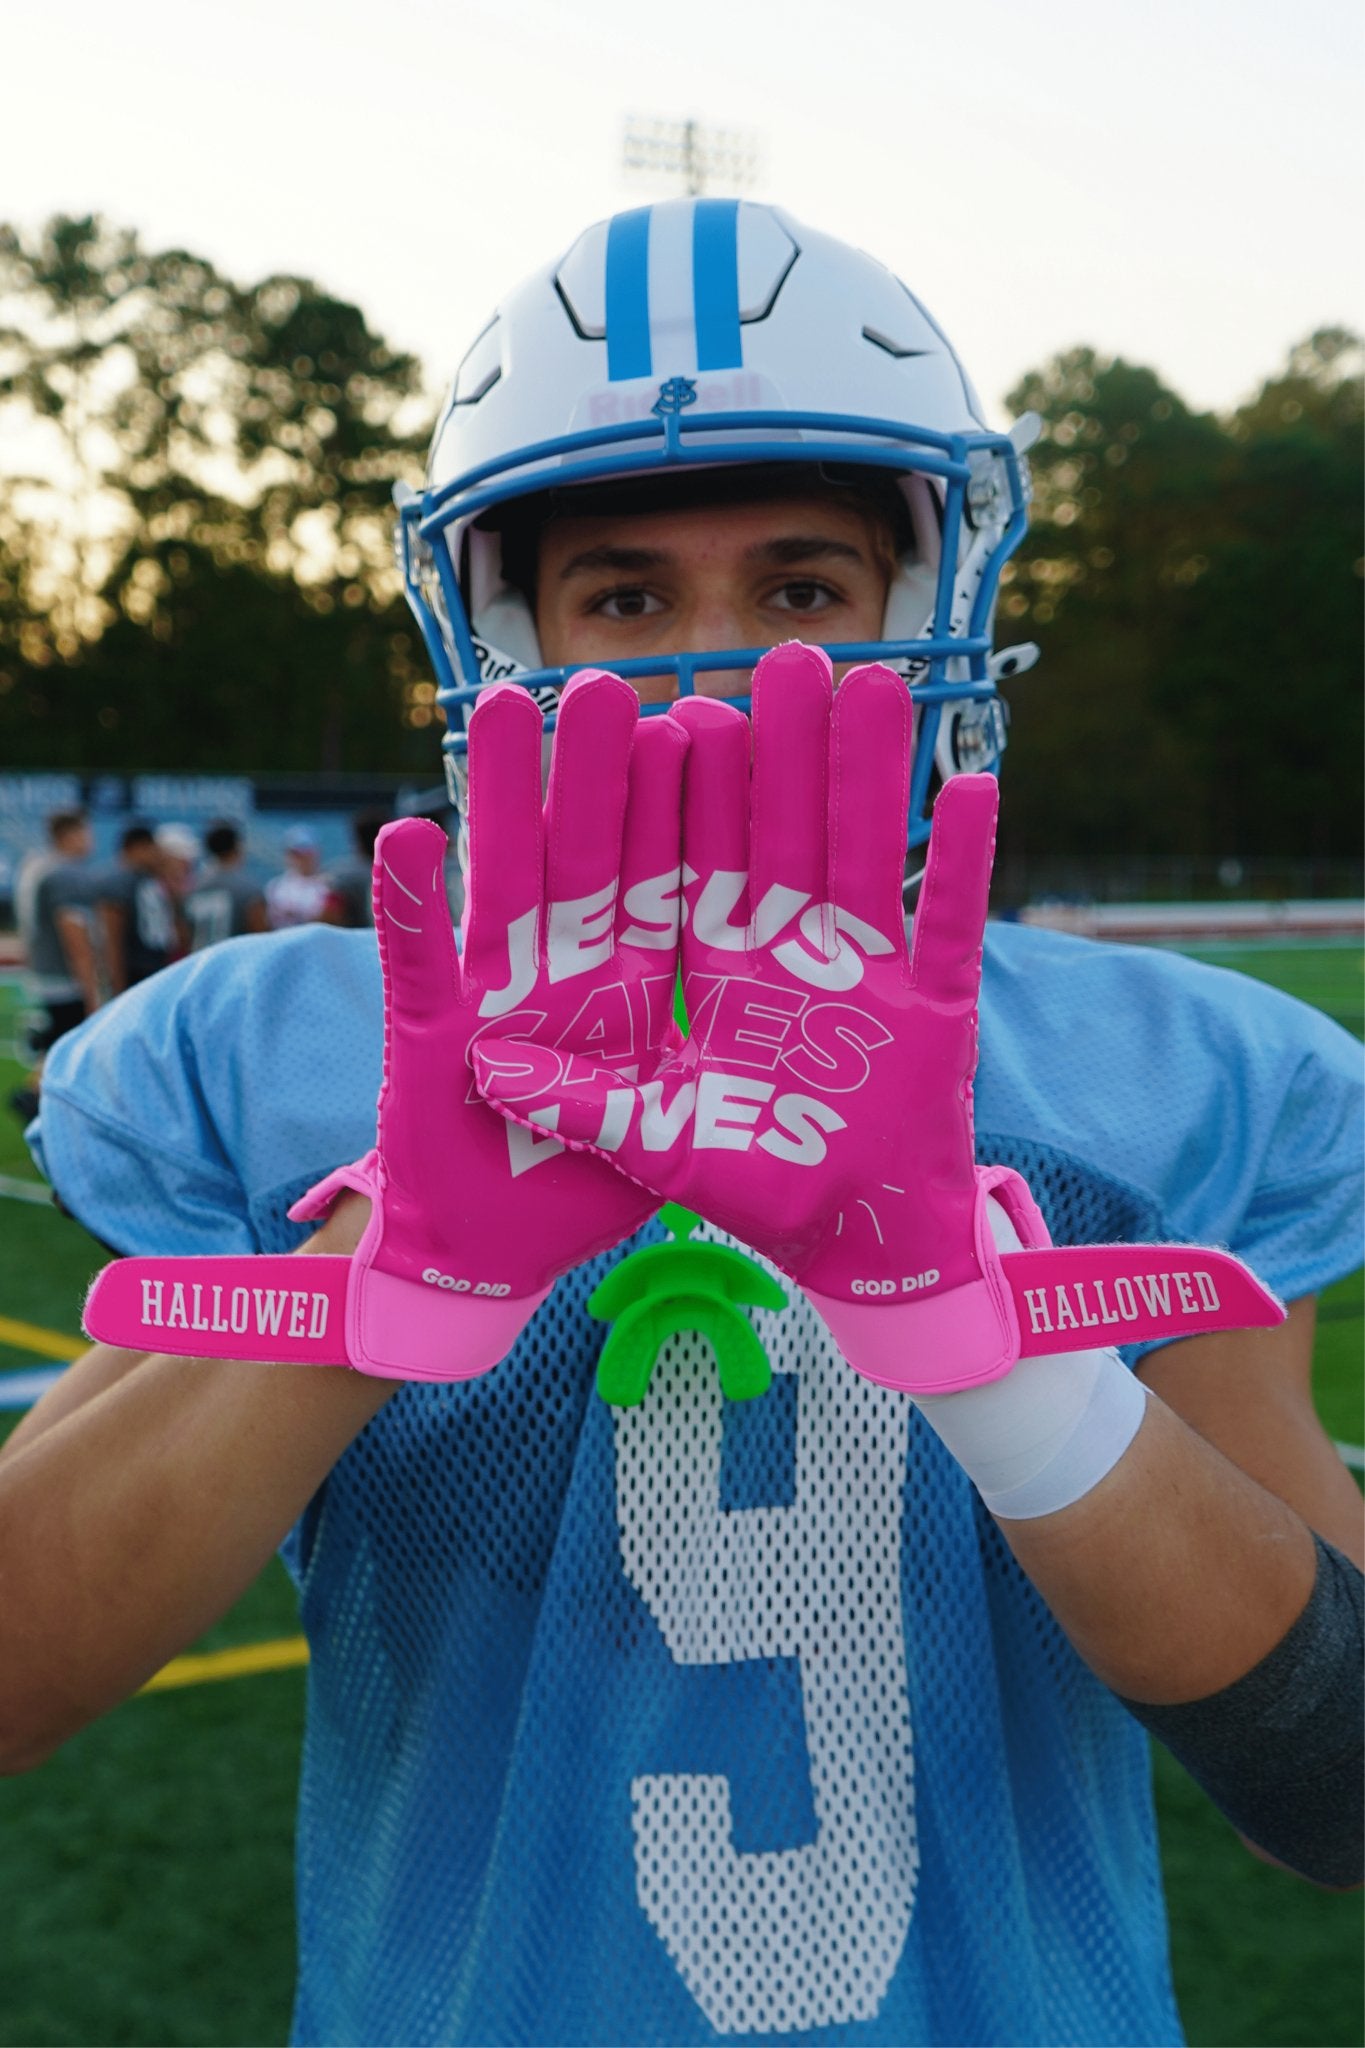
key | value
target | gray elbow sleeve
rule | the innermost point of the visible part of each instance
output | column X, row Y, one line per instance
column 1280, row 1751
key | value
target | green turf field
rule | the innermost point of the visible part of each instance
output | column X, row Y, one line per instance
column 145, row 1872
column 1332, row 978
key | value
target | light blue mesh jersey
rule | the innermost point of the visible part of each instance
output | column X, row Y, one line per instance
column 710, row 1721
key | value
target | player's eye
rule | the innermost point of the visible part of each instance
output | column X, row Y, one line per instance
column 805, row 595
column 626, row 602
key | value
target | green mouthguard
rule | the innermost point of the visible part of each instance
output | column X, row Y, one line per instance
column 667, row 1289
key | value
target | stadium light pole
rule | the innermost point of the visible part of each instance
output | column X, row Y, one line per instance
column 690, row 154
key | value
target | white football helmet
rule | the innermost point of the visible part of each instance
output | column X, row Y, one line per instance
column 714, row 333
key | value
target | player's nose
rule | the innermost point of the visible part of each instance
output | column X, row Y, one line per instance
column 712, row 630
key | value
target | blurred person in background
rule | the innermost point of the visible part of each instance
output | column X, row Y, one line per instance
column 224, row 902
column 181, row 853
column 54, row 895
column 351, row 877
column 139, row 931
column 300, row 893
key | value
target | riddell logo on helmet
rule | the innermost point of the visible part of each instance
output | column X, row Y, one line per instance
column 737, row 393
column 494, row 665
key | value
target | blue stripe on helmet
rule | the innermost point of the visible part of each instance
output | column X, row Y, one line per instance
column 715, row 284
column 627, row 294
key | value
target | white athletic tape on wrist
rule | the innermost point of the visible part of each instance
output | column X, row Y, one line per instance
column 1045, row 1436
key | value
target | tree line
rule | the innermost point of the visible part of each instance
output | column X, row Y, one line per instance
column 196, row 570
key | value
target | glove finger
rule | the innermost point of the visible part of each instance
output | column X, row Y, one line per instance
column 506, row 847
column 950, row 920
column 416, row 952
column 584, row 817
column 870, row 798
column 788, row 849
column 651, row 848
column 715, row 828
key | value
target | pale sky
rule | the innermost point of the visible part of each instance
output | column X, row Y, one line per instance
column 1177, row 181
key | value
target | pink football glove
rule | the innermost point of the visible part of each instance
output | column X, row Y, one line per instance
column 571, row 932
column 821, row 1110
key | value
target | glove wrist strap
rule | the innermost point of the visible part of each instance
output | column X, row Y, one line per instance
column 1035, row 1299
column 275, row 1306
column 287, row 1310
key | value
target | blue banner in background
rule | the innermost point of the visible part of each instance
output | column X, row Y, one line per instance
column 192, row 797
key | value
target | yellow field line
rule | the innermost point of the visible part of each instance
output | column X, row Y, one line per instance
column 284, row 1655
column 47, row 1343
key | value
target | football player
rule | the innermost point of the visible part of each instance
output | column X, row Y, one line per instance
column 816, row 1715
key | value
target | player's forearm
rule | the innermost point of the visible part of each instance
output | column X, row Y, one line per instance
column 1250, row 1393
column 97, row 1369
column 131, row 1526
column 1229, row 1631
column 1176, row 1573
column 133, row 1522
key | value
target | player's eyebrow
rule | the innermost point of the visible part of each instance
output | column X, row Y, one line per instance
column 608, row 557
column 786, row 551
